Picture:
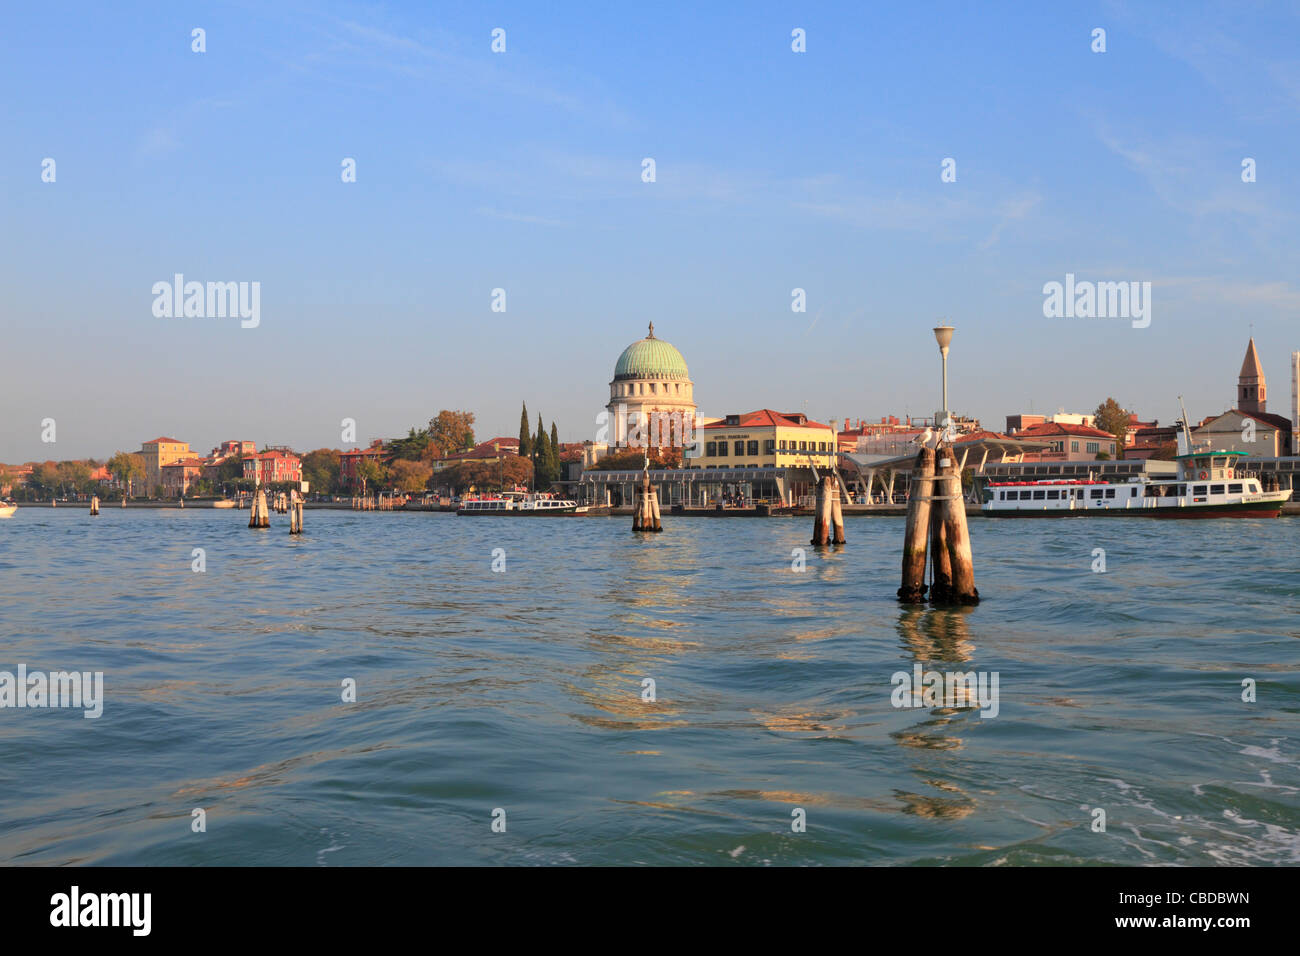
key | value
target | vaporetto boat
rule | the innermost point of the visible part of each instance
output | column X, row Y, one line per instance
column 1208, row 486
column 519, row 506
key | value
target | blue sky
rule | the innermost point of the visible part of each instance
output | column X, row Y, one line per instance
column 522, row 171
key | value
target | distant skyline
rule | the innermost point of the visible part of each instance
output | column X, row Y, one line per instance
column 522, row 171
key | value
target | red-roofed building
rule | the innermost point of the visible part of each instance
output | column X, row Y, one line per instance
column 159, row 452
column 350, row 461
column 269, row 467
column 764, row 439
column 485, row 451
column 1068, row 442
column 177, row 476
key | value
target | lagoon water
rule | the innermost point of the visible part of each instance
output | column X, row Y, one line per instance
column 522, row 690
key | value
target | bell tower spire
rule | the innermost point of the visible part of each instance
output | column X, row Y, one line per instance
column 1252, row 390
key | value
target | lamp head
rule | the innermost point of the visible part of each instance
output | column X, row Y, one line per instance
column 943, row 335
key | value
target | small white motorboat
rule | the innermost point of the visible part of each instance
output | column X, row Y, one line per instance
column 7, row 509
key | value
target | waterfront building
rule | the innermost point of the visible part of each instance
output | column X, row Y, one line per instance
column 650, row 377
column 350, row 461
column 492, row 450
column 1068, row 442
column 160, row 452
column 765, row 439
column 274, row 465
column 1269, row 437
column 177, row 476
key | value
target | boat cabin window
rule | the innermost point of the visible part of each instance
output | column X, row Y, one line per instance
column 1198, row 489
column 1132, row 492
column 1110, row 492
column 1234, row 489
column 1094, row 493
column 1053, row 495
column 1038, row 495
column 1216, row 489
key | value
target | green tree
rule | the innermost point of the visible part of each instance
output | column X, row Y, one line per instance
column 1110, row 417
column 525, row 440
column 320, row 469
column 410, row 448
column 127, row 468
column 371, row 473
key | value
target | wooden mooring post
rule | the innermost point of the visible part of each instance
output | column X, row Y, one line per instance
column 645, row 511
column 912, row 590
column 94, row 504
column 295, row 513
column 936, row 516
column 258, row 517
column 953, row 513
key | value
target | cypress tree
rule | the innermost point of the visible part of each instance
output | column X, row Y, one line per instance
column 525, row 440
column 540, row 458
column 555, row 453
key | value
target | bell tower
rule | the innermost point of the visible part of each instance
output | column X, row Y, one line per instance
column 1252, row 391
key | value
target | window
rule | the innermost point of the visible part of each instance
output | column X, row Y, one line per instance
column 821, row 446
column 1234, row 489
column 1074, row 446
column 1092, row 447
column 1110, row 492
column 739, row 448
column 1132, row 492
column 1198, row 489
column 803, row 446
column 1053, row 495
column 710, row 449
column 769, row 446
column 752, row 448
column 783, row 444
column 1216, row 489
column 1039, row 495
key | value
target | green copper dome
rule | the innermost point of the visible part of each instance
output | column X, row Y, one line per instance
column 651, row 358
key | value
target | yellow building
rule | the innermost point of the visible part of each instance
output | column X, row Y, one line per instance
column 159, row 452
column 765, row 439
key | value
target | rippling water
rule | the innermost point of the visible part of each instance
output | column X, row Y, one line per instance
column 522, row 691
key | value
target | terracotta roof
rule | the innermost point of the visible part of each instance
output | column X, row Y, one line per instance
column 1277, row 421
column 766, row 417
column 1054, row 428
column 185, row 463
column 168, row 441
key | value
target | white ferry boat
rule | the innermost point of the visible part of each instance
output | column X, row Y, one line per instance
column 519, row 505
column 7, row 508
column 1208, row 486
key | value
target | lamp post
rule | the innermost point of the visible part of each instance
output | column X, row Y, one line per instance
column 943, row 335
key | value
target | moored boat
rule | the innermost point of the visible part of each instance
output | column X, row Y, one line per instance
column 520, row 505
column 1208, row 486
column 7, row 508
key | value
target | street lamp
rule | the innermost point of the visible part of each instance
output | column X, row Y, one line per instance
column 943, row 335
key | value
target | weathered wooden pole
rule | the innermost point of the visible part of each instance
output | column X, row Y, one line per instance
column 258, row 517
column 645, row 510
column 913, row 587
column 295, row 513
column 822, row 514
column 837, row 513
column 959, row 550
column 940, row 562
column 94, row 504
